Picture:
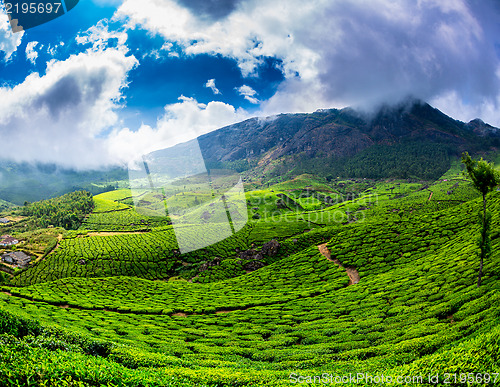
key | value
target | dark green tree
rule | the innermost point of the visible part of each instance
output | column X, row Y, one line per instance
column 484, row 178
column 66, row 211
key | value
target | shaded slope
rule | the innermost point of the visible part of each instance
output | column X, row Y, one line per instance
column 331, row 137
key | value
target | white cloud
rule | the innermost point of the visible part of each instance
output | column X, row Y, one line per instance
column 9, row 41
column 211, row 85
column 31, row 53
column 164, row 52
column 166, row 46
column 338, row 53
column 52, row 50
column 59, row 117
column 182, row 121
column 299, row 96
column 238, row 36
column 100, row 36
column 248, row 93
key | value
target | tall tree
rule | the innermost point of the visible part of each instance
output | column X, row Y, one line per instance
column 484, row 178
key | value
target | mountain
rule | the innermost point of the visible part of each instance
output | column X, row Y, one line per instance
column 408, row 140
column 392, row 142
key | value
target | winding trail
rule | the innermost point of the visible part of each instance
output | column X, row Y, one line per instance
column 44, row 256
column 352, row 273
column 430, row 196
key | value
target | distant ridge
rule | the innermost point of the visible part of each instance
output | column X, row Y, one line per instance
column 407, row 140
column 291, row 143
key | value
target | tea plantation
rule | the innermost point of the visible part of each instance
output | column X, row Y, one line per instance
column 116, row 304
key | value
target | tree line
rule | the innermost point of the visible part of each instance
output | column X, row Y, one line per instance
column 420, row 160
column 65, row 211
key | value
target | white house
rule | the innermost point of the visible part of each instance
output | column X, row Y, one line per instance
column 9, row 241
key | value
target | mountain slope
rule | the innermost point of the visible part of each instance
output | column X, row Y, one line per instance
column 282, row 144
column 22, row 182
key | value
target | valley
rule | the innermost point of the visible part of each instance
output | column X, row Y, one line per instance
column 332, row 273
column 160, row 318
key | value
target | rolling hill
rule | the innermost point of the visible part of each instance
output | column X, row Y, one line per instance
column 330, row 277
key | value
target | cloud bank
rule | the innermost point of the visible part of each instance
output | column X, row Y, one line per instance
column 64, row 116
column 331, row 53
column 339, row 53
column 58, row 117
column 248, row 93
column 31, row 52
column 211, row 85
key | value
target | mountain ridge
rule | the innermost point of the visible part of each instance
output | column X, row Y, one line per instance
column 342, row 134
column 328, row 142
column 383, row 125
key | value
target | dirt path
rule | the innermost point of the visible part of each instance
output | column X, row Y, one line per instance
column 430, row 196
column 43, row 256
column 326, row 253
column 59, row 239
column 352, row 273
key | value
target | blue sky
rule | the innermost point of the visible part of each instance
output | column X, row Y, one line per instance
column 114, row 78
column 63, row 29
column 157, row 81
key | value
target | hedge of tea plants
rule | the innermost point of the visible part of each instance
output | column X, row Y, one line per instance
column 416, row 309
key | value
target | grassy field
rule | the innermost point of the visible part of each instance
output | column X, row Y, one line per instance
column 118, row 305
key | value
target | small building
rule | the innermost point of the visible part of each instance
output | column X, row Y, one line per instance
column 4, row 220
column 8, row 259
column 16, row 258
column 9, row 241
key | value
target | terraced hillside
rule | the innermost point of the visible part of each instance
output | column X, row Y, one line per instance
column 142, row 314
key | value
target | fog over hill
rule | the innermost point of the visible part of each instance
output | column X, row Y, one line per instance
column 410, row 139
column 411, row 136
